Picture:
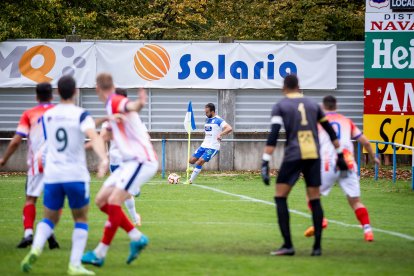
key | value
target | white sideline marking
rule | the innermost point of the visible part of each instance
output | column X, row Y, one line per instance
column 392, row 233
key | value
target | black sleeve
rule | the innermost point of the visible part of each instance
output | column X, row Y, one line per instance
column 328, row 128
column 276, row 124
column 274, row 134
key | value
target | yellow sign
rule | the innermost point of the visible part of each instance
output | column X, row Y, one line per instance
column 390, row 128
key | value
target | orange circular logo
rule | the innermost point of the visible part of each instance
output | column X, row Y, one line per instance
column 152, row 62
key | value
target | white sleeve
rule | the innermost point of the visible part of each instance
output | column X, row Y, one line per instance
column 87, row 123
column 223, row 124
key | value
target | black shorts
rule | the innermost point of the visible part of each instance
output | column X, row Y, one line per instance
column 290, row 171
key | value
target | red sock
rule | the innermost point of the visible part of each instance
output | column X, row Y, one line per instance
column 114, row 220
column 125, row 224
column 29, row 216
column 362, row 215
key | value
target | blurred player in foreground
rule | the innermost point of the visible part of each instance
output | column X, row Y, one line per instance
column 115, row 160
column 215, row 128
column 300, row 117
column 345, row 130
column 29, row 127
column 66, row 175
column 139, row 165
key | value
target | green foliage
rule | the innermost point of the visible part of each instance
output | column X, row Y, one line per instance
column 184, row 19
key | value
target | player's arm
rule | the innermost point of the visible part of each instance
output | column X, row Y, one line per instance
column 87, row 126
column 11, row 148
column 100, row 121
column 227, row 129
column 139, row 103
column 367, row 146
column 276, row 125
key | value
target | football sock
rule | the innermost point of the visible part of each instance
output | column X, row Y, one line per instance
column 283, row 219
column 134, row 234
column 79, row 239
column 363, row 217
column 43, row 231
column 114, row 220
column 130, row 205
column 317, row 216
column 125, row 222
column 195, row 173
column 101, row 250
column 29, row 216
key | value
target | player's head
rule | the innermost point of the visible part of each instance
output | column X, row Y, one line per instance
column 122, row 92
column 44, row 92
column 210, row 110
column 329, row 103
column 104, row 85
column 291, row 84
column 67, row 87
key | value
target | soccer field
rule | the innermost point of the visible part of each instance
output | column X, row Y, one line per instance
column 226, row 225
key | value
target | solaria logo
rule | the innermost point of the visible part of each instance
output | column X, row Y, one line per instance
column 152, row 62
column 37, row 62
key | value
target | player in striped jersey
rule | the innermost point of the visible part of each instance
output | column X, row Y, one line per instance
column 30, row 128
column 139, row 165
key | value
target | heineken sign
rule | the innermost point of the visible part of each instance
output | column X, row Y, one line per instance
column 389, row 74
column 402, row 4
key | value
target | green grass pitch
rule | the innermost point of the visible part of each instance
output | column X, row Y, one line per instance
column 196, row 231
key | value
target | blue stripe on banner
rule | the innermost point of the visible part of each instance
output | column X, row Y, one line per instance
column 83, row 116
column 81, row 225
column 48, row 222
column 133, row 177
column 44, row 127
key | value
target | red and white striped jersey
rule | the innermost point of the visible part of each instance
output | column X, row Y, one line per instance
column 130, row 134
column 30, row 127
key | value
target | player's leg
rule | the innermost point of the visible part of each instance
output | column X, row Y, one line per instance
column 78, row 198
column 312, row 173
column 29, row 216
column 288, row 175
column 199, row 166
column 351, row 188
column 195, row 157
column 328, row 177
column 132, row 211
column 53, row 201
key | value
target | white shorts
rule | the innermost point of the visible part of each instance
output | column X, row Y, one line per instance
column 34, row 185
column 131, row 175
column 350, row 184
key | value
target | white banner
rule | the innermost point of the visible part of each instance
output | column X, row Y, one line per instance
column 389, row 22
column 170, row 65
column 24, row 64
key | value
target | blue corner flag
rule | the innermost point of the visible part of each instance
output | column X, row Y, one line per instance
column 189, row 122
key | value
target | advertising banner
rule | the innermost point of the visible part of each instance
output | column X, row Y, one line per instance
column 170, row 65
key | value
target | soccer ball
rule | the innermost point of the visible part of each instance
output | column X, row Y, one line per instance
column 173, row 178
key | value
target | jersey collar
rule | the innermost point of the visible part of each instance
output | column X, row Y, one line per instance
column 294, row 95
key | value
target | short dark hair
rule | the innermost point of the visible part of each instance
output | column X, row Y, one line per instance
column 291, row 82
column 44, row 91
column 329, row 102
column 66, row 87
column 121, row 91
column 104, row 81
column 211, row 107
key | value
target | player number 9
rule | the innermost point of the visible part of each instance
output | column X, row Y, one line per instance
column 62, row 138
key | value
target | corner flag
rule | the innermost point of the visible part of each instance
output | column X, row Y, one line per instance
column 189, row 125
column 189, row 122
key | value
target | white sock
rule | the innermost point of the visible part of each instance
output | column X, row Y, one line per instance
column 43, row 231
column 79, row 239
column 101, row 250
column 134, row 234
column 367, row 228
column 28, row 232
column 195, row 174
column 130, row 205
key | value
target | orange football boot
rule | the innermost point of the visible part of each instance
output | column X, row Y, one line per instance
column 311, row 230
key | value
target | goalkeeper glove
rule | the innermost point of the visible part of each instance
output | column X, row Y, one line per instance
column 340, row 163
column 265, row 169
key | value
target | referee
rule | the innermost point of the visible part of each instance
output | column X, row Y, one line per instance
column 300, row 117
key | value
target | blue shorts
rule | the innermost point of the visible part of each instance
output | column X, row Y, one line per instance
column 204, row 153
column 113, row 168
column 77, row 193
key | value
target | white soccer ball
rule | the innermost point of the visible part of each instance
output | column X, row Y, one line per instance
column 174, row 178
